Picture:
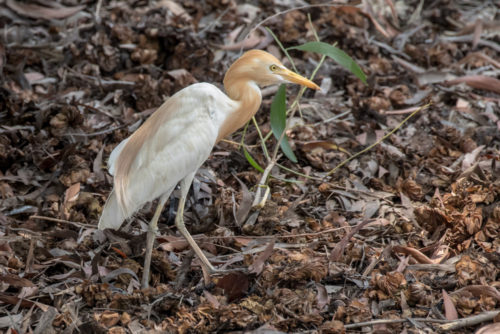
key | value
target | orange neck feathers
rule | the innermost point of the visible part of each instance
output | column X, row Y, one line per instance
column 241, row 87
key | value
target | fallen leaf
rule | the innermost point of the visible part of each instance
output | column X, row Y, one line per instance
column 212, row 299
column 449, row 308
column 235, row 285
column 241, row 213
column 322, row 297
column 71, row 193
column 258, row 265
column 15, row 281
column 470, row 158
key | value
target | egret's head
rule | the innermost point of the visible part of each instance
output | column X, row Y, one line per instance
column 265, row 69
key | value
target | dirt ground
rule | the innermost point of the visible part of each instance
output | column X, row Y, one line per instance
column 403, row 238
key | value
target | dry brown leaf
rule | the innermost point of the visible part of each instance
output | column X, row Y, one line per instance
column 470, row 158
column 389, row 283
column 467, row 270
column 211, row 299
column 333, row 327
column 241, row 214
column 322, row 297
column 449, row 308
column 71, row 193
column 235, row 285
column 182, row 77
column 258, row 265
column 250, row 42
column 117, row 330
column 417, row 255
column 15, row 281
column 339, row 248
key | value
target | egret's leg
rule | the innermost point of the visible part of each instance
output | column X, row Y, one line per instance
column 151, row 236
column 179, row 222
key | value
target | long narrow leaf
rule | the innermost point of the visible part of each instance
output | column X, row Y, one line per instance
column 278, row 121
column 252, row 161
column 336, row 54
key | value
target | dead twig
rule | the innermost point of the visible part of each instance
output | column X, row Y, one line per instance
column 446, row 324
column 57, row 220
column 469, row 321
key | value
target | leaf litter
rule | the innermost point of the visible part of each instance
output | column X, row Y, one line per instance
column 400, row 239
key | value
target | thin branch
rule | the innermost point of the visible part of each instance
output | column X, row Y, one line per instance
column 378, row 141
column 299, row 173
column 389, row 321
column 56, row 220
column 470, row 321
column 446, row 324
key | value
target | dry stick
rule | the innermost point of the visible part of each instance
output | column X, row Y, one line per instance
column 446, row 324
column 294, row 235
column 50, row 219
column 378, row 141
column 469, row 321
column 299, row 173
column 390, row 321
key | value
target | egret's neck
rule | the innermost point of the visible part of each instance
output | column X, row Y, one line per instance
column 247, row 93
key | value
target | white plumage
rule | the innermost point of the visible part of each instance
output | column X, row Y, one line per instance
column 187, row 138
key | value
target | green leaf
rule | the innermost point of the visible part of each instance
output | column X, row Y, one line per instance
column 252, row 161
column 278, row 121
column 336, row 54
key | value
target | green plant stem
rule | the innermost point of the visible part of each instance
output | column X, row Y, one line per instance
column 244, row 133
column 378, row 141
column 299, row 173
column 282, row 48
column 294, row 107
column 312, row 27
column 262, row 141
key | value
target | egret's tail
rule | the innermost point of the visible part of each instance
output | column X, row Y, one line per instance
column 112, row 215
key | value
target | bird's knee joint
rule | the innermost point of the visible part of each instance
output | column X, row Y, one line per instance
column 179, row 223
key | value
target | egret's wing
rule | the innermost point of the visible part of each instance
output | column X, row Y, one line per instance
column 114, row 155
column 172, row 143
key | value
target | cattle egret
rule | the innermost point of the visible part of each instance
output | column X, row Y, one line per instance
column 178, row 137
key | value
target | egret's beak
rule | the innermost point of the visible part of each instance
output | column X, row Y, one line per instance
column 298, row 79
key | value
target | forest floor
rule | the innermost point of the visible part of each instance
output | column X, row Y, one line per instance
column 402, row 239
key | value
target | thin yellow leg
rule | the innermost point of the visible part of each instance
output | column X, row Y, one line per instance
column 179, row 222
column 151, row 236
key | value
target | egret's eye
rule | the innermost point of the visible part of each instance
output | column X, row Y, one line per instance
column 273, row 68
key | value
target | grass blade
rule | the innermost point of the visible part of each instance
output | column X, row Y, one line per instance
column 251, row 160
column 278, row 122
